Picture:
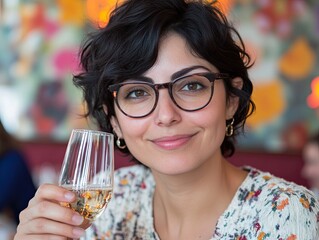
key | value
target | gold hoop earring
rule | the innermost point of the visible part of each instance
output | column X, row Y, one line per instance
column 119, row 143
column 230, row 128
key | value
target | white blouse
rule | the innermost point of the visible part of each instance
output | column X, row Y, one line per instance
column 264, row 208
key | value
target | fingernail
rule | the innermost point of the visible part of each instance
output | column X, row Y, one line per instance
column 78, row 232
column 69, row 195
column 77, row 219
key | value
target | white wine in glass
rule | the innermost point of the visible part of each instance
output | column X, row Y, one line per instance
column 87, row 171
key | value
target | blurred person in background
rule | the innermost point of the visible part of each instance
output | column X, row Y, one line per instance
column 310, row 169
column 16, row 184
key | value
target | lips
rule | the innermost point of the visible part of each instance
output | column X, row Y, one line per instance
column 172, row 142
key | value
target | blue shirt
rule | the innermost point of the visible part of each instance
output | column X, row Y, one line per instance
column 16, row 185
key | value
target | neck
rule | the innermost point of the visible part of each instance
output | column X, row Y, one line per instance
column 202, row 194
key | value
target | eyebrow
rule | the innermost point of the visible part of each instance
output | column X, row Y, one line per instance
column 175, row 75
column 184, row 71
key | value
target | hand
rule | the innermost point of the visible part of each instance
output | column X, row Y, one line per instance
column 45, row 218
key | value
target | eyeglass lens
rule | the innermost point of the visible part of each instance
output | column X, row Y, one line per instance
column 190, row 93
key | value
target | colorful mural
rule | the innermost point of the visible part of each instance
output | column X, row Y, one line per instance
column 39, row 42
column 283, row 38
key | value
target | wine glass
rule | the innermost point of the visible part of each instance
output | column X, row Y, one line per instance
column 87, row 170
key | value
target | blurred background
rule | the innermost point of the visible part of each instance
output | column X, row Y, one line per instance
column 39, row 43
column 40, row 39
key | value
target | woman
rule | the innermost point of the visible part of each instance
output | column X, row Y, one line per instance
column 16, row 184
column 170, row 79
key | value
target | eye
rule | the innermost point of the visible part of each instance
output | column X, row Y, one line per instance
column 194, row 83
column 135, row 92
column 138, row 93
column 192, row 86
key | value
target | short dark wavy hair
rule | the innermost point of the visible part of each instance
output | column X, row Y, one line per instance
column 128, row 46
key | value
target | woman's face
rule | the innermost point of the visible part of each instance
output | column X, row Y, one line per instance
column 311, row 164
column 170, row 140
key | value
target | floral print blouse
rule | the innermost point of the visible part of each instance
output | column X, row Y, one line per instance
column 264, row 207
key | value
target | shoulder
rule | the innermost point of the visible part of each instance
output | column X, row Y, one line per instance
column 134, row 171
column 281, row 207
column 134, row 177
column 274, row 187
column 132, row 185
column 277, row 192
column 13, row 159
column 128, row 214
column 12, row 155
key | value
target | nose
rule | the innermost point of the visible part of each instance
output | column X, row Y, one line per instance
column 166, row 112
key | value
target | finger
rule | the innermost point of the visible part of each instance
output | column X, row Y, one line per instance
column 40, row 237
column 53, row 211
column 48, row 229
column 53, row 193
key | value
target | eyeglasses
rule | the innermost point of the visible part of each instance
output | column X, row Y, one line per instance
column 190, row 93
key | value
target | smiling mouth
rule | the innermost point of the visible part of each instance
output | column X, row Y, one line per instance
column 172, row 143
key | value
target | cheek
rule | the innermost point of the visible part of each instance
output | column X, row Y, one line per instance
column 214, row 115
column 213, row 121
column 132, row 129
column 128, row 126
column 134, row 132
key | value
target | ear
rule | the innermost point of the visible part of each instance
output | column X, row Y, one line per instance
column 105, row 109
column 114, row 123
column 233, row 101
column 116, row 127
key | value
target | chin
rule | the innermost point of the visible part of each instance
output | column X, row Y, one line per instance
column 175, row 167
